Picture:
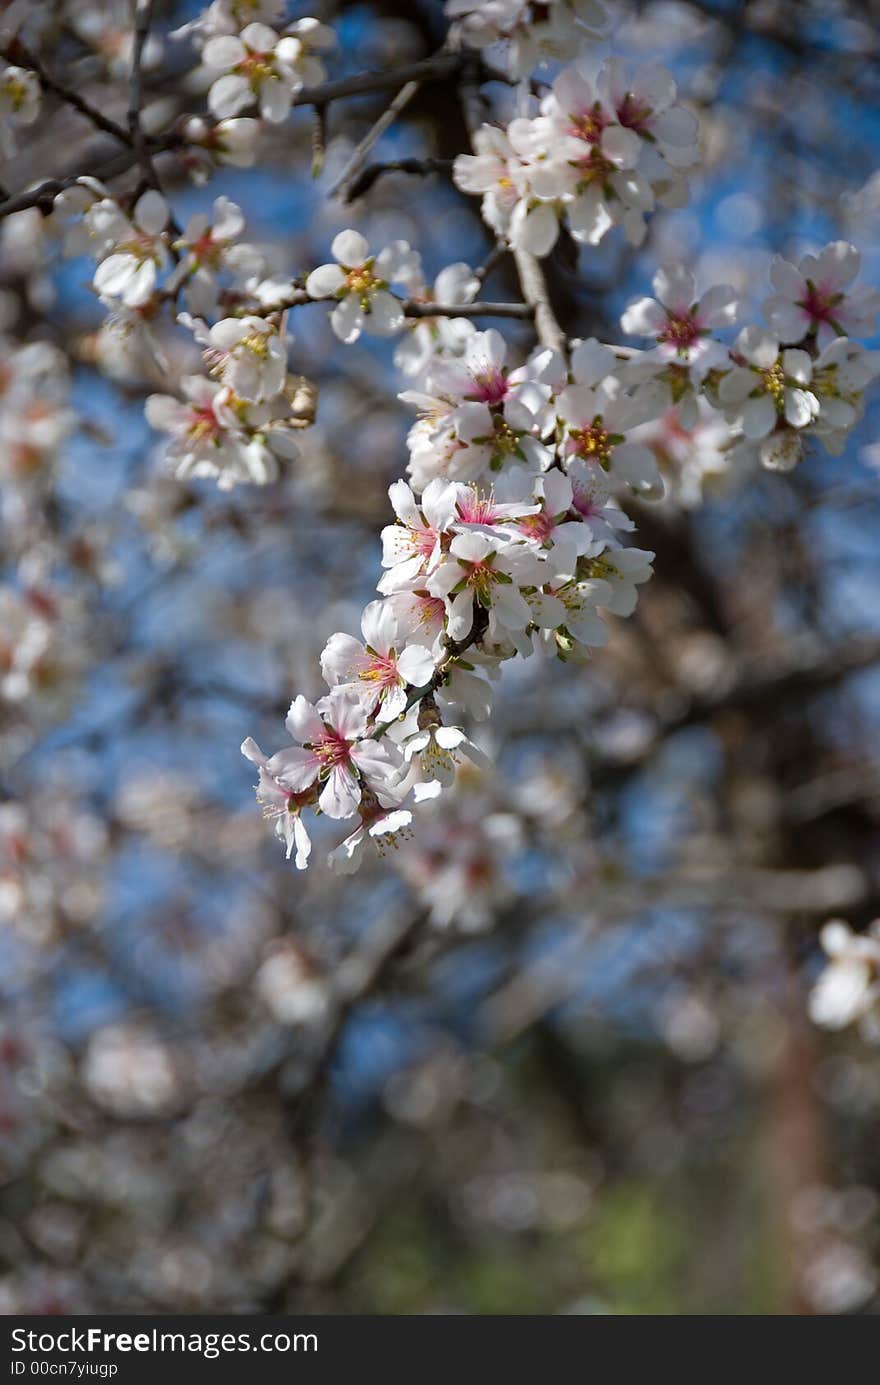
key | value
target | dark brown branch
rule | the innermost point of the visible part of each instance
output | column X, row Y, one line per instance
column 419, row 167
column 143, row 19
column 435, row 69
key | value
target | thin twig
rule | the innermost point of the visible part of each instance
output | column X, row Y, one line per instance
column 414, row 308
column 373, row 135
column 143, row 19
column 519, row 310
column 420, row 167
column 435, row 69
column 494, row 258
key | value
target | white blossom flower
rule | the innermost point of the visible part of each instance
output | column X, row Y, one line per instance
column 420, row 617
column 193, row 426
column 537, row 33
column 849, row 987
column 332, row 753
column 313, row 37
column 207, row 250
column 129, row 272
column 258, row 68
column 682, row 323
column 20, row 102
column 694, row 461
column 815, row 296
column 478, row 414
column 281, row 806
column 645, row 102
column 595, row 416
column 383, row 824
column 232, row 142
column 555, row 524
column 412, row 547
column 769, row 387
column 486, row 571
column 490, row 173
column 841, row 374
column 592, row 499
column 360, row 283
column 246, row 353
column 378, row 671
column 433, row 751
column 216, row 434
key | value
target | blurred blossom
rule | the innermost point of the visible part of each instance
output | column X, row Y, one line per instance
column 130, row 1072
column 293, row 994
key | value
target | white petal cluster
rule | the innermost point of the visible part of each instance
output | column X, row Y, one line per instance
column 260, row 67
column 536, row 33
column 602, row 149
column 848, row 989
column 520, row 551
column 774, row 387
column 133, row 250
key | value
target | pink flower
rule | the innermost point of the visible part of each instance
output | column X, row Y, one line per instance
column 813, row 296
column 376, row 671
column 280, row 805
column 680, row 322
column 331, row 753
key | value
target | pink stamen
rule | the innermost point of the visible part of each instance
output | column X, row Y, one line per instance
column 332, row 749
column 475, row 508
column 680, row 330
column 424, row 541
column 381, row 671
column 490, row 386
column 588, row 124
column 203, row 423
column 820, row 304
column 633, row 114
column 539, row 526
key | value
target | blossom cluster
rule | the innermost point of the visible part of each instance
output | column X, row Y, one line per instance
column 515, row 550
column 239, row 420
column 847, row 991
column 534, row 33
column 799, row 377
column 250, row 64
column 603, row 149
column 510, row 536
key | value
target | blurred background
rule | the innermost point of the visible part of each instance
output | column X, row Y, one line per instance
column 553, row 1054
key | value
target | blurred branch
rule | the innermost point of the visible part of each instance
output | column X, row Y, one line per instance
column 373, row 135
column 143, row 19
column 810, row 672
column 19, row 54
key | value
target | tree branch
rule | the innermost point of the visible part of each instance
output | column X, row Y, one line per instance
column 373, row 135
column 19, row 54
column 143, row 19
column 374, row 171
